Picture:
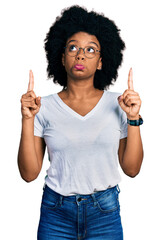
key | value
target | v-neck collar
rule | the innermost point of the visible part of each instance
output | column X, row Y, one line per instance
column 74, row 113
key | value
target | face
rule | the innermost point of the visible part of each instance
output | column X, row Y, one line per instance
column 90, row 65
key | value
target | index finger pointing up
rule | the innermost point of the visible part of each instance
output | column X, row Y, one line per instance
column 130, row 80
column 31, row 81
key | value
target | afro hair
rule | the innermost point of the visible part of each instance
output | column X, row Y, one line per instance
column 78, row 19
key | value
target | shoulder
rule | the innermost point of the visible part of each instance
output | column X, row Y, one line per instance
column 113, row 93
column 112, row 102
column 46, row 99
column 112, row 96
column 46, row 102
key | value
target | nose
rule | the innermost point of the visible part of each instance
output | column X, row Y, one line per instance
column 80, row 54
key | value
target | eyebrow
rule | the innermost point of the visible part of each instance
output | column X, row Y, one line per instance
column 77, row 41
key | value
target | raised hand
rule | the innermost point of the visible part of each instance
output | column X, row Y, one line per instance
column 30, row 104
column 130, row 100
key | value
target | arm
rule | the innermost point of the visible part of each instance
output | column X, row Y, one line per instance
column 131, row 148
column 31, row 151
column 131, row 152
column 31, row 148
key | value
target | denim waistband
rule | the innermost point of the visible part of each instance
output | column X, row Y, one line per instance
column 80, row 197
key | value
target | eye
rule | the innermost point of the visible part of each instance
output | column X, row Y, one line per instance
column 72, row 48
column 90, row 50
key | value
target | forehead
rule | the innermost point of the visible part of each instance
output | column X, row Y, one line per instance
column 84, row 38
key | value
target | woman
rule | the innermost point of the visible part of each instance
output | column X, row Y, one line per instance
column 85, row 129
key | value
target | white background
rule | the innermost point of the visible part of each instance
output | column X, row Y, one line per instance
column 23, row 27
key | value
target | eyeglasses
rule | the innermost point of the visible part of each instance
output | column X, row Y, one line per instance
column 72, row 50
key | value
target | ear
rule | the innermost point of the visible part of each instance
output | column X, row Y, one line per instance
column 99, row 67
column 63, row 59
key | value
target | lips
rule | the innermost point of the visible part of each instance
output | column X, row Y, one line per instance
column 79, row 67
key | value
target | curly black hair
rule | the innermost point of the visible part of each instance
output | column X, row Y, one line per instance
column 77, row 19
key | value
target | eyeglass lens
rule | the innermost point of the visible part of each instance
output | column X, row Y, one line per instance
column 89, row 51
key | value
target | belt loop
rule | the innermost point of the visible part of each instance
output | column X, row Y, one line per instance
column 77, row 196
column 94, row 199
column 118, row 189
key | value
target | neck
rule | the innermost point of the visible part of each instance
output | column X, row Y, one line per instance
column 81, row 93
column 80, row 89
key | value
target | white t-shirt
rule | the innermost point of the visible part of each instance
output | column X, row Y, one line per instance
column 83, row 150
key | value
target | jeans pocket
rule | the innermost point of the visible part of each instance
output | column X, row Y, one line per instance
column 109, row 202
column 49, row 201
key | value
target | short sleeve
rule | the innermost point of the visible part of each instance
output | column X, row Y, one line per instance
column 124, row 125
column 38, row 123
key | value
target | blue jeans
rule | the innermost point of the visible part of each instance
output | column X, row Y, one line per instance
column 90, row 217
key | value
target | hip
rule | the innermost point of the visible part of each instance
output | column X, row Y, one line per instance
column 93, row 216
